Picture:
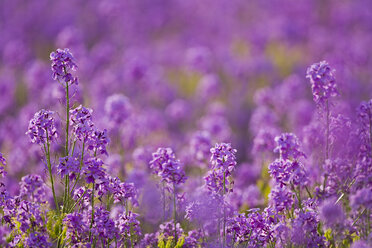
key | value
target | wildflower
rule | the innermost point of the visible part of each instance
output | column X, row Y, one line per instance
column 42, row 127
column 322, row 81
column 62, row 63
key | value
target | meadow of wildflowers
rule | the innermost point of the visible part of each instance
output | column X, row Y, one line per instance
column 198, row 123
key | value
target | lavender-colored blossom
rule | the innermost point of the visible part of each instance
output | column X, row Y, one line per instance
column 128, row 225
column 117, row 108
column 362, row 197
column 166, row 166
column 285, row 172
column 103, row 227
column 98, row 141
column 281, row 198
column 81, row 121
column 3, row 162
column 62, row 63
column 33, row 188
column 331, row 213
column 77, row 229
column 200, row 144
column 223, row 158
column 68, row 166
column 37, row 239
column 264, row 140
column 287, row 145
column 304, row 230
column 42, row 128
column 93, row 170
column 193, row 238
column 323, row 82
column 167, row 230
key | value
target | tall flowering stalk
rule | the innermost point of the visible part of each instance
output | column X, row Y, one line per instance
column 63, row 63
column 42, row 130
column 169, row 169
column 323, row 85
column 223, row 162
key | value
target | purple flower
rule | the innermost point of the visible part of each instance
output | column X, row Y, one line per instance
column 94, row 171
column 304, row 230
column 331, row 213
column 97, row 141
column 288, row 172
column 3, row 162
column 193, row 238
column 166, row 166
column 223, row 158
column 37, row 239
column 81, row 120
column 167, row 230
column 68, row 166
column 264, row 140
column 42, row 127
column 281, row 198
column 362, row 197
column 128, row 226
column 62, row 63
column 77, row 229
column 288, row 146
column 117, row 108
column 103, row 227
column 322, row 81
column 200, row 144
column 33, row 188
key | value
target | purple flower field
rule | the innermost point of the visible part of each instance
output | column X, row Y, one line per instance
column 186, row 123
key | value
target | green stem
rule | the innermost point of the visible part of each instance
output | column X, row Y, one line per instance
column 175, row 214
column 81, row 166
column 224, row 210
column 92, row 219
column 47, row 153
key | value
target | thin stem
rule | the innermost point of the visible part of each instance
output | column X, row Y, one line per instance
column 327, row 143
column 47, row 153
column 67, row 179
column 308, row 191
column 175, row 213
column 92, row 219
column 163, row 202
column 224, row 210
column 81, row 165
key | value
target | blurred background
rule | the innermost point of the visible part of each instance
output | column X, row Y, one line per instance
column 194, row 72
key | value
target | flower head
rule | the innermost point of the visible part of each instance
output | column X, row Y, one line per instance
column 322, row 81
column 42, row 127
column 166, row 166
column 287, row 145
column 81, row 120
column 223, row 158
column 117, row 108
column 68, row 166
column 62, row 63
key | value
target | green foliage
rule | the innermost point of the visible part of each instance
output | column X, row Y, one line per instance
column 170, row 242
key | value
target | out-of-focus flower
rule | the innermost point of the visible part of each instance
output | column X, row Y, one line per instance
column 331, row 213
column 117, row 108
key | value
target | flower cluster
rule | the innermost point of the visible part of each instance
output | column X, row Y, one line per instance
column 42, row 128
column 62, row 63
column 287, row 145
column 167, row 167
column 117, row 108
column 322, row 81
